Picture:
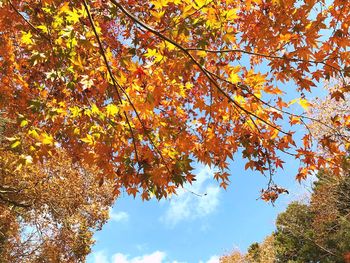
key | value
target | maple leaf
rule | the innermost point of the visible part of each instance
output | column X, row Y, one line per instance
column 27, row 38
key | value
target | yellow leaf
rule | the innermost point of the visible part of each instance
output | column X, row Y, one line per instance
column 158, row 57
column 73, row 16
column 159, row 4
column 294, row 101
column 15, row 144
column 27, row 38
column 64, row 8
column 302, row 102
column 158, row 15
column 112, row 110
column 202, row 54
column 43, row 28
column 75, row 111
column 94, row 109
column 46, row 139
column 24, row 123
column 231, row 14
column 305, row 104
column 46, row 10
column 76, row 131
column 150, row 53
column 234, row 78
column 201, row 3
column 347, row 146
column 258, row 94
column 34, row 134
column 88, row 139
column 274, row 134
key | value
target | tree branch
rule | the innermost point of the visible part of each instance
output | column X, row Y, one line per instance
column 264, row 55
column 117, row 85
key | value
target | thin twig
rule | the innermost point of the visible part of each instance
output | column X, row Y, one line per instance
column 28, row 22
column 263, row 55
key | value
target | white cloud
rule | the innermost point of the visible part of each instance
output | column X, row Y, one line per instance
column 155, row 257
column 118, row 216
column 214, row 259
column 209, row 202
column 99, row 257
column 187, row 205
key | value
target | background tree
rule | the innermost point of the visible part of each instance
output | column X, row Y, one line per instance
column 295, row 238
column 318, row 232
column 257, row 253
column 50, row 210
column 330, row 203
column 234, row 257
column 315, row 232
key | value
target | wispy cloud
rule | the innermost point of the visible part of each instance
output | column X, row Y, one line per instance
column 118, row 216
column 213, row 259
column 99, row 257
column 188, row 206
column 155, row 257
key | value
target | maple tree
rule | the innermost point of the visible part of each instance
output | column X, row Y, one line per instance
column 142, row 89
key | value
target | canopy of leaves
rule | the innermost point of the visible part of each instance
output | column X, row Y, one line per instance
column 143, row 88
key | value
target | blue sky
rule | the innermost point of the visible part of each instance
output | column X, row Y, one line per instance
column 189, row 228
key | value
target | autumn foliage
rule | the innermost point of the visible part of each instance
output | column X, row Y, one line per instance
column 49, row 213
column 142, row 89
column 49, row 210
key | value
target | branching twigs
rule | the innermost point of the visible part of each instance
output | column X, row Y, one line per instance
column 295, row 229
column 190, row 15
column 188, row 54
column 290, row 114
column 264, row 55
column 192, row 192
column 245, row 88
column 28, row 22
column 203, row 70
column 115, row 84
column 118, row 86
column 15, row 203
